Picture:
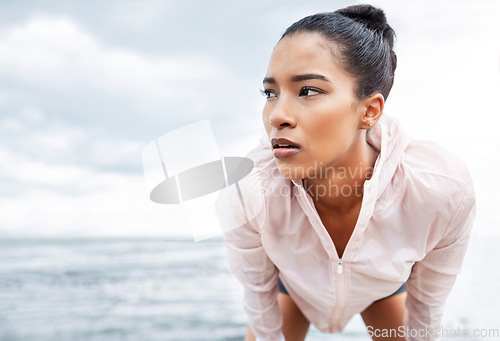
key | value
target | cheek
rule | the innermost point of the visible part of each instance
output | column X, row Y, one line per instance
column 265, row 121
column 321, row 127
column 329, row 126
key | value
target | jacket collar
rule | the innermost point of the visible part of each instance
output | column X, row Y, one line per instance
column 390, row 140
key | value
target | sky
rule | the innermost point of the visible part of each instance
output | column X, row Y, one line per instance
column 86, row 85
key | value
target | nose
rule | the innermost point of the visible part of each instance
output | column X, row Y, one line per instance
column 281, row 115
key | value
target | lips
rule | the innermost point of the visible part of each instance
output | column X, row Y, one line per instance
column 283, row 143
column 283, row 148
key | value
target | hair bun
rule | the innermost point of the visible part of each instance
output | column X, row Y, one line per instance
column 373, row 18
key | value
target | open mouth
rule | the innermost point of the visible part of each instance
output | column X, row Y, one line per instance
column 283, row 148
column 283, row 143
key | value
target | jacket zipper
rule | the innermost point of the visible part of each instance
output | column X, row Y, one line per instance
column 338, row 308
column 340, row 295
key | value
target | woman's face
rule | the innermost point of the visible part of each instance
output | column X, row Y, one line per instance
column 311, row 103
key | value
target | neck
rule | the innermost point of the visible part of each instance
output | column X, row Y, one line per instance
column 339, row 188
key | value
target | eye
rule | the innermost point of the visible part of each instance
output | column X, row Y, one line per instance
column 268, row 93
column 307, row 91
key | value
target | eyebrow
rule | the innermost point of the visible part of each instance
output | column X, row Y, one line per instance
column 298, row 78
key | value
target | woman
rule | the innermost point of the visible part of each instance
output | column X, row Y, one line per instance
column 344, row 213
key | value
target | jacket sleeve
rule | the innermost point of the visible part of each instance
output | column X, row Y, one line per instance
column 253, row 268
column 433, row 277
column 242, row 213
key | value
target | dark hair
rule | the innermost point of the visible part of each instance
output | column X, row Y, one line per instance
column 365, row 41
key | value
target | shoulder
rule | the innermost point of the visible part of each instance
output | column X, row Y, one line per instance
column 430, row 158
column 433, row 168
column 438, row 180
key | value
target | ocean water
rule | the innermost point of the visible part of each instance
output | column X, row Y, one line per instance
column 117, row 290
column 161, row 289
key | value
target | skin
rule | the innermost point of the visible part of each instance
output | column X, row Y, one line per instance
column 385, row 314
column 311, row 101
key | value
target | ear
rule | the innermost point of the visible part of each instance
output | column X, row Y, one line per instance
column 373, row 107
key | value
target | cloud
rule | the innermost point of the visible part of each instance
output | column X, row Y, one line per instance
column 56, row 53
column 68, row 143
column 69, row 98
column 61, row 200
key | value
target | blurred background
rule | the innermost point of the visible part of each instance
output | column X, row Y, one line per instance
column 85, row 85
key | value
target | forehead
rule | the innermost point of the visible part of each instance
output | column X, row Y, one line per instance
column 305, row 53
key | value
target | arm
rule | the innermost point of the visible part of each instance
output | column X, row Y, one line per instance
column 433, row 277
column 251, row 265
column 248, row 259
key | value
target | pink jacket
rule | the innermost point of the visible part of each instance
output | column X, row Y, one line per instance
column 414, row 225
